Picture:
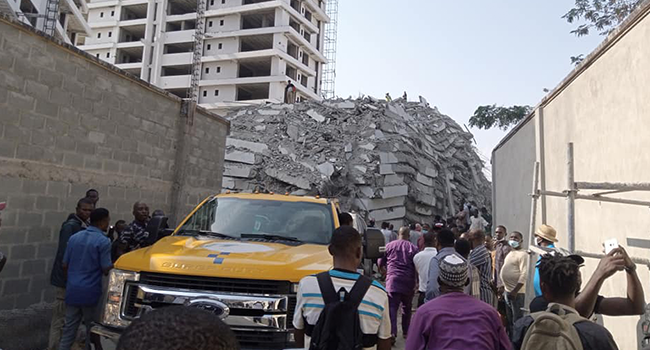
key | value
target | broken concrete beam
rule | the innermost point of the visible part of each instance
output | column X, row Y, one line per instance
column 251, row 146
column 424, row 210
column 394, row 191
column 237, row 170
column 268, row 112
column 315, row 116
column 378, row 203
column 288, row 178
column 367, row 191
column 388, row 214
column 425, row 180
column 240, row 157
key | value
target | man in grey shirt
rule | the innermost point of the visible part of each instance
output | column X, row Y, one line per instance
column 445, row 247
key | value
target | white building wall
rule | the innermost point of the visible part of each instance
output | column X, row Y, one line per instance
column 603, row 109
column 228, row 55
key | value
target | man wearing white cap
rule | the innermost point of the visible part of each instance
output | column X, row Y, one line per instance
column 455, row 320
column 545, row 236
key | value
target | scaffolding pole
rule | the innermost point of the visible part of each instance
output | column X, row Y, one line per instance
column 532, row 256
column 571, row 199
column 329, row 50
column 197, row 67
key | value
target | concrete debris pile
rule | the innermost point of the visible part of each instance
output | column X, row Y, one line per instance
column 397, row 161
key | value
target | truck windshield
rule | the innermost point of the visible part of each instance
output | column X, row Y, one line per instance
column 308, row 222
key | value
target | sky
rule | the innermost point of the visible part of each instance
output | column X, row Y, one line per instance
column 457, row 54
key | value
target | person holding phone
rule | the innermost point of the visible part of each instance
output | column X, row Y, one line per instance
column 589, row 302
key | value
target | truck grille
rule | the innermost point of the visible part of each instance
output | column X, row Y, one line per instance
column 130, row 310
column 251, row 339
column 217, row 284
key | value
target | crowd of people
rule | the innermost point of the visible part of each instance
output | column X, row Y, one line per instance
column 470, row 286
column 88, row 245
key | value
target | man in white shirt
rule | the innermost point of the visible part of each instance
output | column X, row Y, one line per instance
column 422, row 260
column 389, row 235
column 345, row 246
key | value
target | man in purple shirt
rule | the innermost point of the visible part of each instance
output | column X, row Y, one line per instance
column 401, row 278
column 456, row 320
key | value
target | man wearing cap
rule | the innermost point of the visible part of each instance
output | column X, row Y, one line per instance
column 455, row 320
column 545, row 237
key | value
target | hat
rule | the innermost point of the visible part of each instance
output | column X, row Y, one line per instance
column 453, row 271
column 546, row 232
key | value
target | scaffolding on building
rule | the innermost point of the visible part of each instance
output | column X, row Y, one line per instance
column 606, row 189
column 51, row 16
column 197, row 54
column 329, row 50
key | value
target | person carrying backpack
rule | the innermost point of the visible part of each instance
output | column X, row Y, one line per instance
column 560, row 327
column 341, row 309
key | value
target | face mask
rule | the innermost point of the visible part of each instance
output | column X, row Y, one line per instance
column 425, row 231
column 513, row 244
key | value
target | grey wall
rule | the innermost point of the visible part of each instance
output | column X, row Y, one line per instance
column 512, row 170
column 69, row 122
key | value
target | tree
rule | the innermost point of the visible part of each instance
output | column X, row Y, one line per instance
column 602, row 15
column 487, row 117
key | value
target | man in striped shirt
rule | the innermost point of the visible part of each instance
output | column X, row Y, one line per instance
column 345, row 247
column 481, row 259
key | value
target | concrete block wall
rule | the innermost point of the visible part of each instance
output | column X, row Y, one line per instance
column 70, row 122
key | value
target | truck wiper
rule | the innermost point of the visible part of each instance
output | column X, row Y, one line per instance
column 270, row 237
column 205, row 233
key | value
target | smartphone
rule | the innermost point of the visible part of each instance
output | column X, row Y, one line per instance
column 610, row 245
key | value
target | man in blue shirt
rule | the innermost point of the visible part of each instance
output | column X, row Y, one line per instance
column 87, row 257
column 545, row 236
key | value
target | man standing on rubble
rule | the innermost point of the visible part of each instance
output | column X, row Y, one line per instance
column 290, row 93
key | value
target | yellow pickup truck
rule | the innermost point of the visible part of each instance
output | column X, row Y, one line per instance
column 239, row 256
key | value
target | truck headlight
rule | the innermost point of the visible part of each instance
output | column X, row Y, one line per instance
column 117, row 280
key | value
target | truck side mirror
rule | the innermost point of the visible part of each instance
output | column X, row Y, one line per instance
column 154, row 228
column 374, row 244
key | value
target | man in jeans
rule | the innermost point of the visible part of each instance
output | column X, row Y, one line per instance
column 75, row 223
column 513, row 275
column 87, row 257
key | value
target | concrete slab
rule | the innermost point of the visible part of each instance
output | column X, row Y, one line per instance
column 425, row 180
column 292, row 131
column 237, row 170
column 346, row 105
column 424, row 210
column 393, row 179
column 385, row 169
column 251, row 146
column 315, row 116
column 286, row 177
column 268, row 112
column 367, row 191
column 388, row 214
column 394, row 191
column 368, row 146
column 326, row 169
column 240, row 157
column 378, row 203
column 388, row 158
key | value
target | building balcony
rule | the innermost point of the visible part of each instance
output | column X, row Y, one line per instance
column 317, row 11
column 101, row 46
column 182, row 36
column 100, row 4
column 133, row 22
column 173, row 59
column 175, row 82
column 104, row 24
column 129, row 66
column 77, row 21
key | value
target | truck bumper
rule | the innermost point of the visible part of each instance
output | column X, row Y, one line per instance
column 110, row 336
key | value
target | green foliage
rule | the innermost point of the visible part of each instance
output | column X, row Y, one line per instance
column 601, row 15
column 487, row 117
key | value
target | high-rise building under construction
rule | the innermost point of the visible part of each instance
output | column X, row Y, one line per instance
column 248, row 50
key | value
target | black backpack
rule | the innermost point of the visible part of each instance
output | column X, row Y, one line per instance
column 339, row 326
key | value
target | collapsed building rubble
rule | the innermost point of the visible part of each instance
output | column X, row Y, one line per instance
column 398, row 161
